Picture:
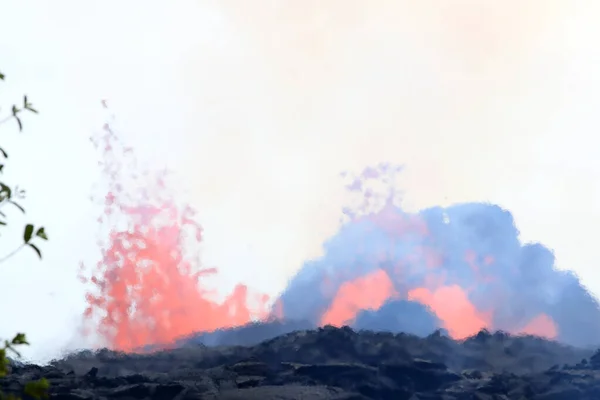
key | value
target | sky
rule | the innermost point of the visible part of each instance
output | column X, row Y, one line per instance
column 258, row 106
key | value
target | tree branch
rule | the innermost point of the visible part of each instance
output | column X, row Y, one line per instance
column 12, row 253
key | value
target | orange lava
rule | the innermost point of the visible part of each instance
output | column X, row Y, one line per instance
column 368, row 292
column 152, row 296
column 453, row 308
column 542, row 325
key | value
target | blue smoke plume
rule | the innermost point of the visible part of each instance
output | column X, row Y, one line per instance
column 473, row 246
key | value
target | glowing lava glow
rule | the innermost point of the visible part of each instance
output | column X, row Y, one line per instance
column 452, row 306
column 463, row 266
column 542, row 325
column 367, row 292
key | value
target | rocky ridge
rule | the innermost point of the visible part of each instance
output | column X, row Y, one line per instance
column 329, row 363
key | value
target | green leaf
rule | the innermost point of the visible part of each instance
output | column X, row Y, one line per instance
column 28, row 106
column 5, row 192
column 41, row 233
column 19, row 339
column 19, row 123
column 3, row 153
column 37, row 389
column 35, row 248
column 28, row 233
column 1, row 76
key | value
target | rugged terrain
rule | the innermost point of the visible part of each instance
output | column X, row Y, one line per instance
column 329, row 363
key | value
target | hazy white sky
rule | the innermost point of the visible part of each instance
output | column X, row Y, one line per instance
column 258, row 106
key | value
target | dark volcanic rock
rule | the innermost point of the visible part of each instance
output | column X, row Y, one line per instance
column 328, row 363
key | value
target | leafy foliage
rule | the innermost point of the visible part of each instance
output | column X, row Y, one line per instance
column 37, row 389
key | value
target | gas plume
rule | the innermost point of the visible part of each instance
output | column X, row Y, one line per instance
column 461, row 268
column 464, row 265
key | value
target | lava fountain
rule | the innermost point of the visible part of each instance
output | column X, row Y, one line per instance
column 147, row 287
